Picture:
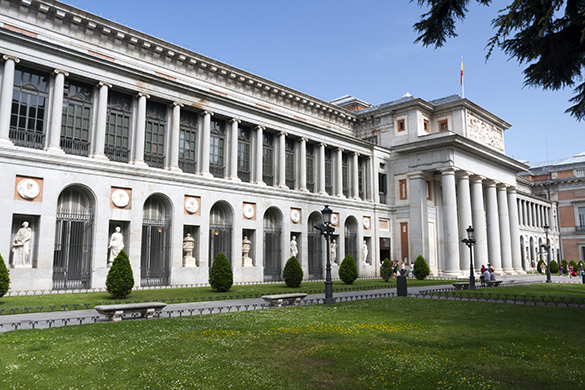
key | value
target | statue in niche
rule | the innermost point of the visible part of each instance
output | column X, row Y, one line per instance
column 116, row 245
column 246, row 245
column 188, row 247
column 21, row 246
column 365, row 251
column 294, row 250
column 333, row 251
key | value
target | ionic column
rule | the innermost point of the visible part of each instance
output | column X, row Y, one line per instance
column 100, row 123
column 450, row 226
column 493, row 226
column 419, row 216
column 321, row 182
column 478, row 214
column 57, row 112
column 465, row 219
column 233, row 155
column 505, row 238
column 258, row 155
column 6, row 98
column 370, row 184
column 282, row 160
column 355, row 185
column 514, row 230
column 175, row 136
column 303, row 161
column 205, row 143
column 339, row 172
column 140, row 129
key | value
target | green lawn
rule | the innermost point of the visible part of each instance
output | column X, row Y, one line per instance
column 405, row 343
column 551, row 291
column 35, row 302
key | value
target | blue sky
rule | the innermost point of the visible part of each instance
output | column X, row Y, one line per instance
column 331, row 48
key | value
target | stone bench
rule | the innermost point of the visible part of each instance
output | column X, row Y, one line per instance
column 115, row 312
column 461, row 285
column 493, row 283
column 276, row 300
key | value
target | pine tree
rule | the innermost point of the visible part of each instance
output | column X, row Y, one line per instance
column 292, row 273
column 221, row 276
column 421, row 269
column 347, row 270
column 4, row 278
column 120, row 278
column 386, row 270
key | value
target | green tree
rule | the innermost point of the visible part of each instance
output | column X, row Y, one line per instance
column 554, row 267
column 347, row 270
column 4, row 278
column 120, row 278
column 565, row 266
column 548, row 36
column 221, row 276
column 421, row 269
column 292, row 273
column 386, row 270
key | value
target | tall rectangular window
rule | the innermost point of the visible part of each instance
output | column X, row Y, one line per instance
column 290, row 162
column 268, row 158
column 154, row 136
column 582, row 218
column 244, row 153
column 75, row 124
column 400, row 125
column 361, row 178
column 345, row 175
column 29, row 103
column 328, row 172
column 217, row 148
column 310, row 168
column 118, row 121
column 188, row 141
column 403, row 190
column 444, row 125
column 382, row 187
column 429, row 190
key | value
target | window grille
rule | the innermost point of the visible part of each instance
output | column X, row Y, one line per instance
column 310, row 179
column 290, row 163
column 188, row 142
column 328, row 178
column 268, row 159
column 154, row 137
column 361, row 179
column 76, row 118
column 244, row 153
column 118, row 121
column 345, row 175
column 217, row 148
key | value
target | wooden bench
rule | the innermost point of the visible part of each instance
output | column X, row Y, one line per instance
column 461, row 285
column 115, row 312
column 276, row 300
column 493, row 283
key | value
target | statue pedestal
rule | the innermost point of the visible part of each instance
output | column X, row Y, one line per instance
column 189, row 261
column 22, row 266
column 247, row 262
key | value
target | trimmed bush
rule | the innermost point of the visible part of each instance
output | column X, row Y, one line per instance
column 292, row 273
column 347, row 270
column 4, row 278
column 539, row 266
column 386, row 270
column 565, row 266
column 120, row 279
column 554, row 267
column 221, row 276
column 421, row 269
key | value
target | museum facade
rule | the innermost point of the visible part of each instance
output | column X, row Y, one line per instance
column 114, row 139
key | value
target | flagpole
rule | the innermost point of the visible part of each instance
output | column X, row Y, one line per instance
column 462, row 81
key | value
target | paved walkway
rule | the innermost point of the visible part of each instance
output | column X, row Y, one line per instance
column 75, row 317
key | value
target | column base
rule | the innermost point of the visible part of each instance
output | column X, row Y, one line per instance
column 260, row 183
column 175, row 169
column 283, row 186
column 206, row 174
column 6, row 142
column 341, row 196
column 236, row 179
column 323, row 193
column 140, row 163
column 509, row 271
column 453, row 273
column 53, row 149
column 304, row 190
column 100, row 157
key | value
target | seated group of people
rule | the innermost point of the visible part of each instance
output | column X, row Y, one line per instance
column 487, row 274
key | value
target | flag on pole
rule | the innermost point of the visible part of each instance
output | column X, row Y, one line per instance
column 461, row 80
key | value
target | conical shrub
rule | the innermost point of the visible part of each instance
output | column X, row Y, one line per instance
column 347, row 270
column 292, row 273
column 120, row 278
column 4, row 278
column 221, row 276
column 386, row 270
column 421, row 268
column 554, row 267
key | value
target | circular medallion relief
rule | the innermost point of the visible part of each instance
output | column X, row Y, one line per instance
column 28, row 189
column 191, row 205
column 248, row 211
column 334, row 219
column 366, row 223
column 120, row 198
column 295, row 215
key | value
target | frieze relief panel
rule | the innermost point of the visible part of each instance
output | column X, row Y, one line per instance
column 485, row 133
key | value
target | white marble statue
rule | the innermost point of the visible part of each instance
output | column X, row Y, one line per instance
column 333, row 251
column 246, row 245
column 21, row 246
column 365, row 252
column 116, row 245
column 188, row 247
column 294, row 250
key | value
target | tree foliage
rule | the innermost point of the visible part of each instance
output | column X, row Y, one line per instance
column 421, row 269
column 221, row 276
column 347, row 270
column 546, row 35
column 554, row 267
column 292, row 273
column 386, row 270
column 4, row 278
column 120, row 279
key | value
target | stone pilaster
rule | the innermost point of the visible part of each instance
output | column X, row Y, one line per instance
column 6, row 98
column 100, row 127
column 450, row 225
column 140, row 130
column 57, row 112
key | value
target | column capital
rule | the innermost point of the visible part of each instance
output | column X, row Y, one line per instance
column 141, row 94
column 502, row 186
column 355, row 154
column 476, row 178
column 490, row 183
column 417, row 175
column 207, row 112
column 461, row 174
column 58, row 71
column 260, row 127
column 235, row 120
column 177, row 104
column 511, row 190
column 448, row 170
column 282, row 133
column 103, row 83
column 323, row 144
column 305, row 139
column 339, row 149
column 6, row 57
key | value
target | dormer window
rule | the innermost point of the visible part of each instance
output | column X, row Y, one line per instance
column 444, row 125
column 400, row 125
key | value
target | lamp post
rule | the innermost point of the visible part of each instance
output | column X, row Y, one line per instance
column 326, row 230
column 547, row 247
column 469, row 241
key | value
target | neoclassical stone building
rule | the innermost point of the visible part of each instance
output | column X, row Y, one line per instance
column 105, row 127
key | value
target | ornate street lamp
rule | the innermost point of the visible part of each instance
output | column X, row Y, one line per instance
column 469, row 241
column 547, row 247
column 326, row 230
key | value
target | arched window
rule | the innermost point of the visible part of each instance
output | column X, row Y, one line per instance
column 272, row 246
column 73, row 240
column 220, row 231
column 154, row 256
